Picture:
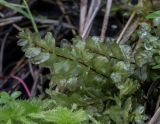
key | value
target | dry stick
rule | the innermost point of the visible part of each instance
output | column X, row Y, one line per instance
column 55, row 22
column 2, row 50
column 158, row 103
column 31, row 69
column 138, row 44
column 89, row 30
column 91, row 9
column 40, row 86
column 125, row 28
column 153, row 85
column 17, row 27
column 61, row 5
column 35, row 77
column 89, row 23
column 106, row 19
column 10, row 20
column 83, row 11
column 20, row 64
column 155, row 117
column 89, row 15
column 34, row 87
column 129, row 32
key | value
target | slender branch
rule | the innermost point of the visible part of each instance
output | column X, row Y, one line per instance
column 54, row 22
column 34, row 87
column 2, row 50
column 89, row 29
column 83, row 11
column 91, row 10
column 106, row 19
column 125, row 28
column 89, row 23
column 155, row 117
column 157, row 104
column 31, row 16
column 138, row 44
column 61, row 6
column 24, row 85
column 129, row 32
column 10, row 20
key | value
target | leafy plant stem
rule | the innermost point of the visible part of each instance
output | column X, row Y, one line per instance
column 64, row 57
column 31, row 17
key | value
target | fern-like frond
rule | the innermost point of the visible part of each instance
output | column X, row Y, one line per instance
column 88, row 73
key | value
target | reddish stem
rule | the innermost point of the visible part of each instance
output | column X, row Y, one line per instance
column 23, row 83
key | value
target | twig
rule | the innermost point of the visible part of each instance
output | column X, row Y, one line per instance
column 35, row 77
column 2, row 50
column 125, row 28
column 89, row 29
column 23, row 75
column 91, row 10
column 83, row 11
column 89, row 23
column 17, row 27
column 61, row 5
column 155, row 117
column 129, row 32
column 40, row 86
column 10, row 20
column 138, row 44
column 55, row 22
column 24, row 85
column 158, row 103
column 106, row 19
column 31, row 68
column 20, row 64
column 34, row 87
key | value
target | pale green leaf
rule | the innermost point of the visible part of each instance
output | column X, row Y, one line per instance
column 32, row 52
column 42, row 57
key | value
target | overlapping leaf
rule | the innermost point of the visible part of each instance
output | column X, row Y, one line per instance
column 93, row 72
